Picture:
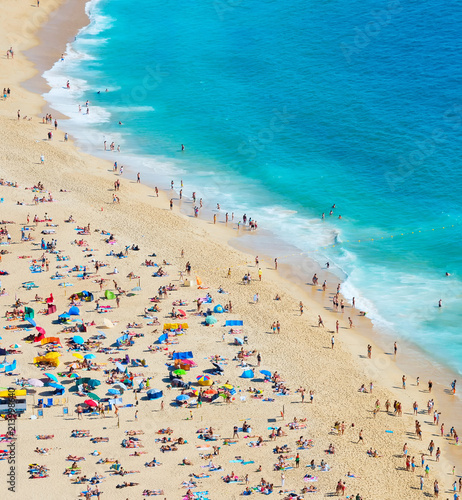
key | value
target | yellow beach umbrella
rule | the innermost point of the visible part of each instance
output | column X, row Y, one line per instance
column 77, row 355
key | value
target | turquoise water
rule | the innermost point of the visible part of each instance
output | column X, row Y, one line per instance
column 285, row 110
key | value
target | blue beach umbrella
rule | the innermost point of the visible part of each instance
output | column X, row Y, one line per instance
column 266, row 373
column 89, row 356
column 57, row 386
column 52, row 377
column 115, row 392
column 182, row 397
column 210, row 320
column 78, row 339
column 247, row 374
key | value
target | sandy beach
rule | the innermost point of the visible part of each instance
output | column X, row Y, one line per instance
column 57, row 197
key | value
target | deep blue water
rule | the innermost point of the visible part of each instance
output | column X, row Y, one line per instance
column 287, row 109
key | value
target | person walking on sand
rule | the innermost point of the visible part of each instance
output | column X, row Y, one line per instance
column 301, row 308
column 350, row 321
column 42, row 159
column 320, row 322
column 171, row 204
column 395, row 348
column 276, row 264
column 369, row 351
column 332, row 341
column 404, row 381
column 138, row 178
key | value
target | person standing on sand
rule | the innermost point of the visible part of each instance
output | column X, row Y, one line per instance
column 301, row 308
column 138, row 178
column 404, row 381
column 430, row 385
column 276, row 264
column 171, row 204
column 395, row 348
column 332, row 341
column 350, row 321
column 369, row 351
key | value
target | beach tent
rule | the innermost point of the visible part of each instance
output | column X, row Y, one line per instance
column 247, row 374
column 86, row 296
column 210, row 320
column 29, row 312
column 31, row 321
column 234, row 322
column 238, row 341
column 109, row 295
column 74, row 311
column 154, row 393
column 218, row 309
column 163, row 338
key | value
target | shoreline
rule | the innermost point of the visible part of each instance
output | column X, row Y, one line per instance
column 367, row 331
column 200, row 228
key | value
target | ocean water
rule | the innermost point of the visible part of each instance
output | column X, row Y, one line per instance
column 286, row 109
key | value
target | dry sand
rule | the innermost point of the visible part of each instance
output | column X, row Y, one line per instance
column 301, row 353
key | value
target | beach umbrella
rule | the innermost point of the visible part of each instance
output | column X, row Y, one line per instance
column 136, row 289
column 74, row 375
column 34, row 382
column 109, row 295
column 247, row 374
column 90, row 356
column 121, row 386
column 210, row 320
column 77, row 355
column 57, row 386
column 182, row 312
column 94, row 382
column 90, row 402
column 266, row 373
column 204, row 380
column 180, row 371
column 115, row 392
column 41, row 330
column 31, row 321
column 238, row 340
column 108, row 323
column 154, row 394
column 228, row 386
column 93, row 396
column 210, row 392
column 78, row 339
column 15, row 346
column 182, row 397
column 218, row 309
column 101, row 333
column 52, row 377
